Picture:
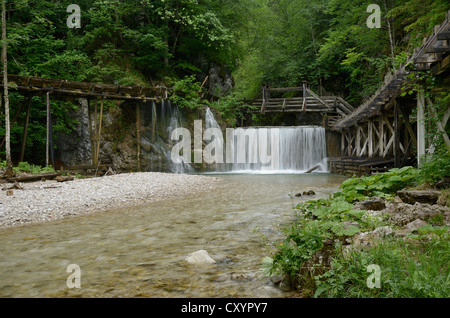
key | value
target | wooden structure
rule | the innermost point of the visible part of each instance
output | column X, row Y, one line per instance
column 31, row 86
column 381, row 134
column 333, row 106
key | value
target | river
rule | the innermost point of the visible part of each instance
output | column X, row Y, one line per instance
column 141, row 251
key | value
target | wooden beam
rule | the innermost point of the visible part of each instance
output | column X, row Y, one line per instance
column 138, row 134
column 396, row 136
column 99, row 131
column 47, row 140
column 25, row 129
column 420, row 127
column 370, row 137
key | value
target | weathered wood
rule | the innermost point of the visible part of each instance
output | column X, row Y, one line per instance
column 420, row 127
column 370, row 137
column 138, row 134
column 312, row 169
column 107, row 91
column 97, row 152
column 25, row 129
column 34, row 177
column 47, row 140
column 396, row 136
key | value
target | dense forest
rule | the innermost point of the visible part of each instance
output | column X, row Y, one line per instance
column 176, row 43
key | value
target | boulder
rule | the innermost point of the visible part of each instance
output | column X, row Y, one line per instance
column 403, row 213
column 200, row 257
column 420, row 196
column 372, row 204
column 410, row 227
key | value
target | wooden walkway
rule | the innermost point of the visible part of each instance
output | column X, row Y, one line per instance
column 308, row 102
column 37, row 85
column 384, row 131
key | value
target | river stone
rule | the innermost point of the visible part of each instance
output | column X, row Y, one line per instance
column 421, row 196
column 200, row 257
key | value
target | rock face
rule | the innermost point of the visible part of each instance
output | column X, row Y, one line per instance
column 200, row 257
column 420, row 196
column 75, row 148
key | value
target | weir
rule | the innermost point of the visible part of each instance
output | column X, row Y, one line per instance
column 266, row 149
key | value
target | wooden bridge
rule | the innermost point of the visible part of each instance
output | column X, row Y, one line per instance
column 98, row 92
column 333, row 106
column 383, row 132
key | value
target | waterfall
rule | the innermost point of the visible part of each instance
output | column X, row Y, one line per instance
column 210, row 122
column 174, row 123
column 278, row 150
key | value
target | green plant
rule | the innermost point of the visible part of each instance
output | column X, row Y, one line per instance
column 30, row 168
column 382, row 185
column 407, row 270
column 435, row 168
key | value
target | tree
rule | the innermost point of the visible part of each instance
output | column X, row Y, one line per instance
column 9, row 170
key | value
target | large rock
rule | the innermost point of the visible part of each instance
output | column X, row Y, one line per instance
column 421, row 196
column 411, row 227
column 200, row 257
column 403, row 213
column 372, row 204
column 75, row 148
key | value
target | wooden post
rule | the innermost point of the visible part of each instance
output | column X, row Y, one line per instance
column 48, row 131
column 396, row 136
column 99, row 132
column 95, row 137
column 25, row 129
column 138, row 134
column 91, row 133
column 381, row 140
column 358, row 140
column 420, row 127
column 370, row 137
column 153, row 122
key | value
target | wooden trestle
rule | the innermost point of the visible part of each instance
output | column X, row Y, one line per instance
column 382, row 133
column 32, row 86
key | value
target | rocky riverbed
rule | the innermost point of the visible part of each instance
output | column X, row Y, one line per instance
column 49, row 200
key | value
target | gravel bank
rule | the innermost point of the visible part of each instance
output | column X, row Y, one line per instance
column 50, row 200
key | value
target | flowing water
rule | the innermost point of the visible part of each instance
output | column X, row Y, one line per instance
column 141, row 251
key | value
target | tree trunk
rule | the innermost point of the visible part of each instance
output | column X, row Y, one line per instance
column 9, row 170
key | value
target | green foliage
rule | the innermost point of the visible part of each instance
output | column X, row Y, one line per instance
column 382, row 185
column 435, row 168
column 334, row 219
column 25, row 167
column 408, row 270
column 187, row 93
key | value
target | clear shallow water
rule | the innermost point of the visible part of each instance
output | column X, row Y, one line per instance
column 140, row 251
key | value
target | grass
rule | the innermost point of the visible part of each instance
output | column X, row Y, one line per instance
column 409, row 269
column 415, row 266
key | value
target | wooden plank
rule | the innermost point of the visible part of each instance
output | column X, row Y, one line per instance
column 25, row 129
column 47, row 139
column 138, row 134
column 370, row 138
